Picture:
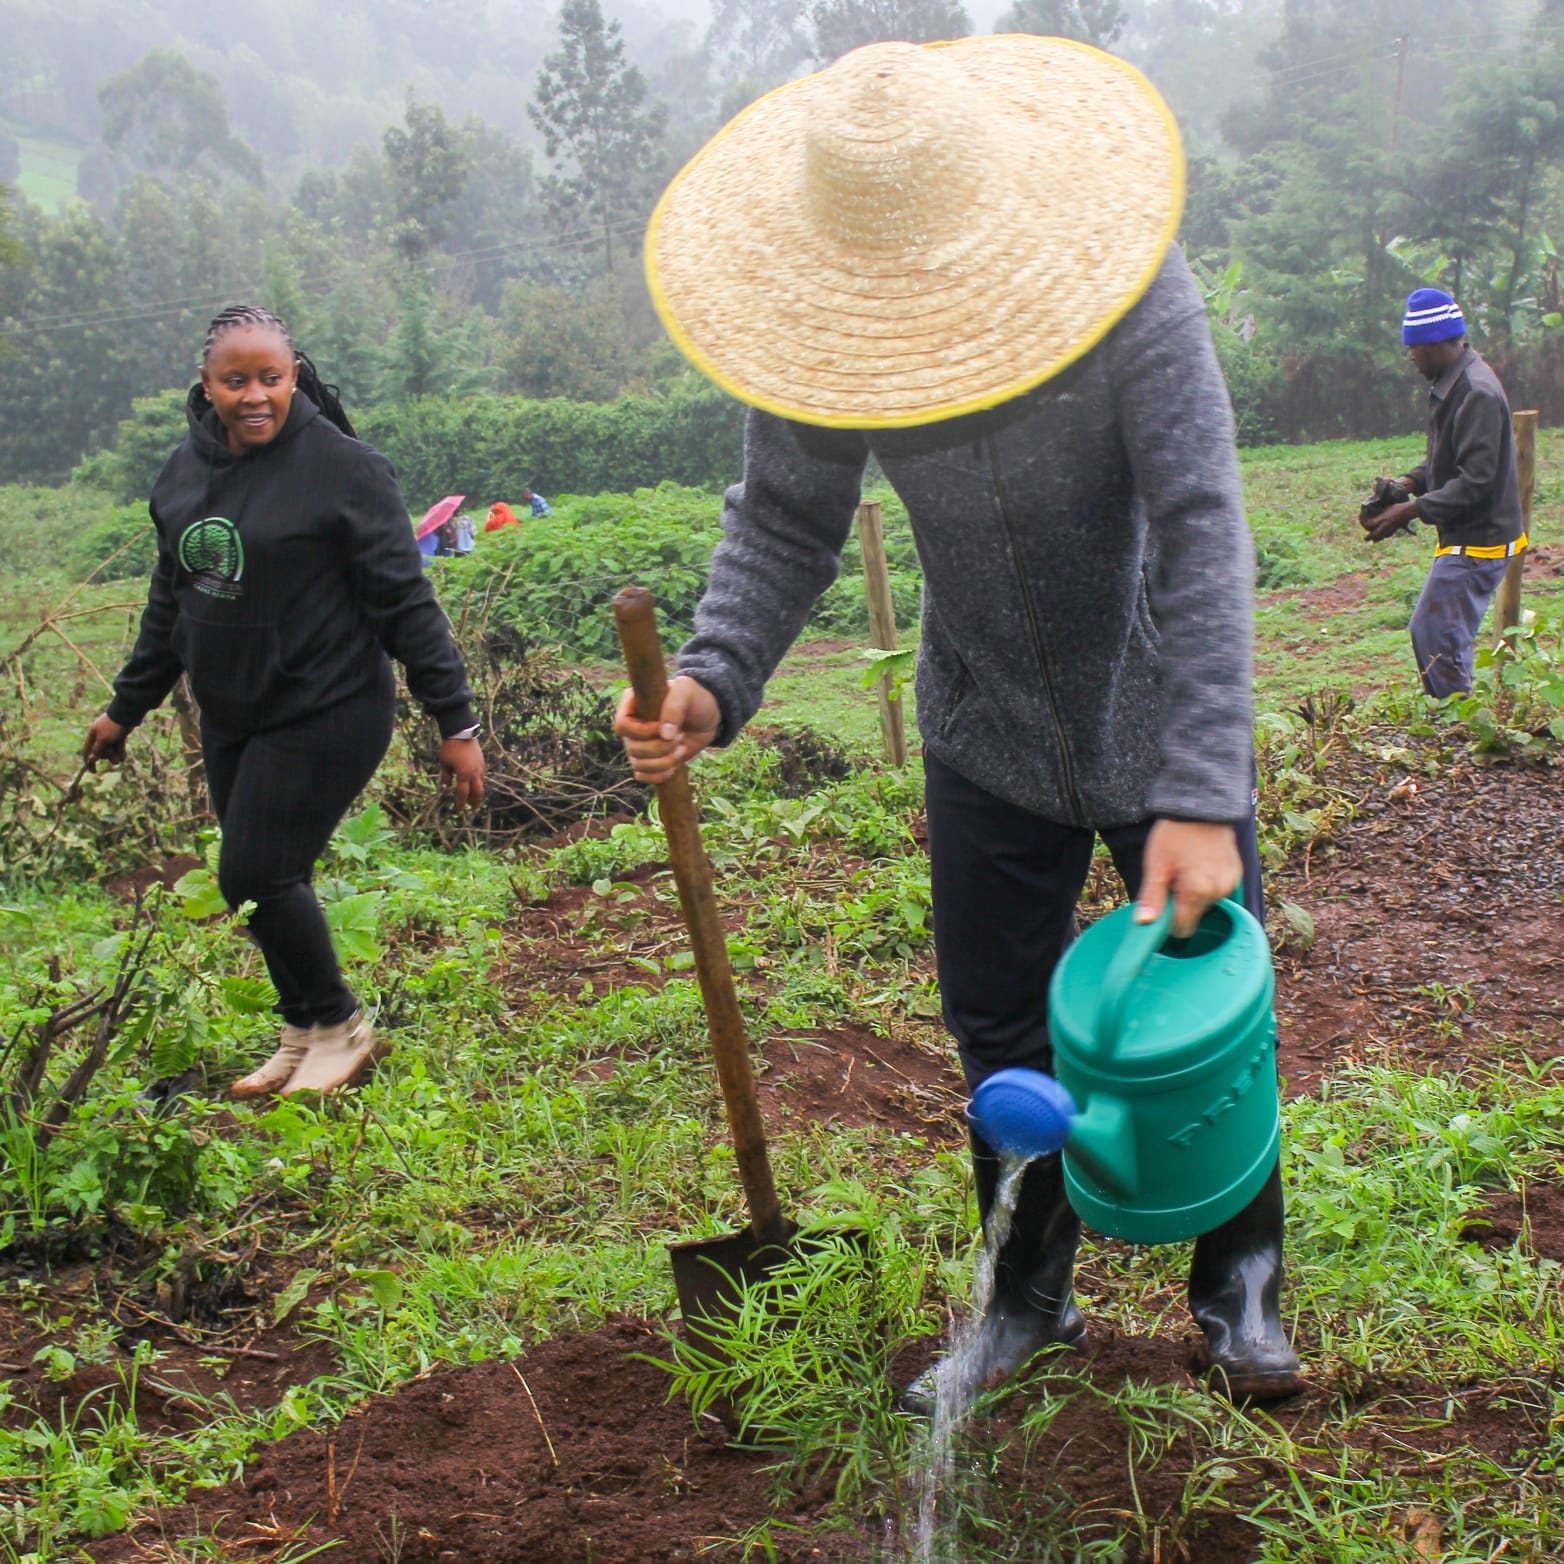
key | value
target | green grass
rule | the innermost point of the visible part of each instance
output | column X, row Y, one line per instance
column 48, row 166
column 481, row 1194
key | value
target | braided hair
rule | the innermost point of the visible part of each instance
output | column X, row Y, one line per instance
column 326, row 397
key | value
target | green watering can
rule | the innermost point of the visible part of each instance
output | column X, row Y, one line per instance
column 1167, row 1051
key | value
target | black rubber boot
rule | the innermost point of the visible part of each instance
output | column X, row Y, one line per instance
column 1033, row 1307
column 1235, row 1283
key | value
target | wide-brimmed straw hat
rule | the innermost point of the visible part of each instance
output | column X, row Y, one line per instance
column 919, row 231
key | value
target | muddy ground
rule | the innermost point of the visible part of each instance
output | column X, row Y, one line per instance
column 1438, row 920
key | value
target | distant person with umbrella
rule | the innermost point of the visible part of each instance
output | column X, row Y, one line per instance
column 436, row 532
column 287, row 579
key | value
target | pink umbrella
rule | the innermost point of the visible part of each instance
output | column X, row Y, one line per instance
column 438, row 514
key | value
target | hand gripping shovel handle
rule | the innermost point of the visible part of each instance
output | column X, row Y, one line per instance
column 636, row 619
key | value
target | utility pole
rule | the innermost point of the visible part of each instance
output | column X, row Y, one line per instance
column 1402, row 44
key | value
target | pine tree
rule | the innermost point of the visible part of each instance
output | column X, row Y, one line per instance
column 601, row 136
column 760, row 40
column 1096, row 22
column 428, row 163
column 841, row 25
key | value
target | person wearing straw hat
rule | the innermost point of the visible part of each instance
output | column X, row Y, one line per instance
column 958, row 258
column 1466, row 487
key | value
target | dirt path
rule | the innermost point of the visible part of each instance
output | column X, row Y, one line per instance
column 1438, row 921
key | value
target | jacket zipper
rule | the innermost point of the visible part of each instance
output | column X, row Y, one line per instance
column 1077, row 813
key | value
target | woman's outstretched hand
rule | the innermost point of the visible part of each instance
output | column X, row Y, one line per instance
column 105, row 741
column 462, row 769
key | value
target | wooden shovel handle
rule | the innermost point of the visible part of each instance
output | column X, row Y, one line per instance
column 636, row 618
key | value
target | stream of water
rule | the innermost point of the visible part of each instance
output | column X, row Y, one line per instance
column 957, row 1383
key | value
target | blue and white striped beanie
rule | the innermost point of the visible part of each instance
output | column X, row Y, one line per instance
column 1431, row 316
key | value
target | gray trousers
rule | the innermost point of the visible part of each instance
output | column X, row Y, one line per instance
column 1447, row 618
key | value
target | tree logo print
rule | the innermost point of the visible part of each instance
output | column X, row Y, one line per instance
column 213, row 553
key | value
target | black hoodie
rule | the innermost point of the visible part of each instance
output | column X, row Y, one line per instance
column 285, row 576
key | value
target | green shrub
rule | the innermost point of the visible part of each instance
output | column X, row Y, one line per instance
column 552, row 579
column 40, row 528
column 1279, row 562
column 1253, row 378
column 98, row 547
column 144, row 441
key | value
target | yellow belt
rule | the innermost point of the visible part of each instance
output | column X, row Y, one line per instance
column 1485, row 550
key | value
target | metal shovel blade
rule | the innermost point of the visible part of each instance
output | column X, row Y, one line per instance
column 711, row 1275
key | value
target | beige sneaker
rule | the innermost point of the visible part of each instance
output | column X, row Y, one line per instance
column 278, row 1070
column 336, row 1055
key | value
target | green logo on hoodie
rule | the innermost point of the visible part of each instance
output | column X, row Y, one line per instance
column 213, row 553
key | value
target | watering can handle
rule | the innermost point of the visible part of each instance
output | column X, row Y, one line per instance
column 1141, row 941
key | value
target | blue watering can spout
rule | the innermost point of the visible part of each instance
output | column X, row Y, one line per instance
column 1024, row 1113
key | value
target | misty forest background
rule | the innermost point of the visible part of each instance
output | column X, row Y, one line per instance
column 445, row 198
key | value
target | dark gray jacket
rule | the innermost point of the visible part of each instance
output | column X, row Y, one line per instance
column 1467, row 485
column 1088, row 576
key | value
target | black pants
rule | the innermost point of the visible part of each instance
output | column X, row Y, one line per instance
column 1005, row 883
column 279, row 796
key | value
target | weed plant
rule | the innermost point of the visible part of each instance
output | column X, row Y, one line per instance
column 803, row 1364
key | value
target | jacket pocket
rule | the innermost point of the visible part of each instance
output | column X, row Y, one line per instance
column 235, row 670
column 959, row 692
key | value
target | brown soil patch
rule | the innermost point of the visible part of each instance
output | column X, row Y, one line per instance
column 1535, row 1211
column 128, row 887
column 559, row 942
column 1084, row 1465
column 572, row 1454
column 1438, row 916
column 1325, row 602
column 171, row 1394
column 851, row 1076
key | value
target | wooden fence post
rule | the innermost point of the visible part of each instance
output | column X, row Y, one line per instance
column 1508, row 608
column 882, row 624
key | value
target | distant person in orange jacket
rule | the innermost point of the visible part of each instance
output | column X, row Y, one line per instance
column 500, row 515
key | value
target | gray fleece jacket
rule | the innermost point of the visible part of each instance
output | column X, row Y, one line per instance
column 1088, row 576
column 1467, row 485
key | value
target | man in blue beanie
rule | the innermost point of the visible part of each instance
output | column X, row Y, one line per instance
column 1465, row 487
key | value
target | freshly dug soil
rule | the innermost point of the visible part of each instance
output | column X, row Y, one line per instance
column 570, row 1456
column 1438, row 921
column 573, row 1455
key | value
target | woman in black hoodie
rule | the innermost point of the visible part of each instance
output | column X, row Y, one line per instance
column 287, row 577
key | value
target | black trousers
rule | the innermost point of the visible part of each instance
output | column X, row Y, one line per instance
column 279, row 796
column 1005, row 883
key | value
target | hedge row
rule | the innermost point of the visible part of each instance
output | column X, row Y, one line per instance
column 553, row 580
column 491, row 447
